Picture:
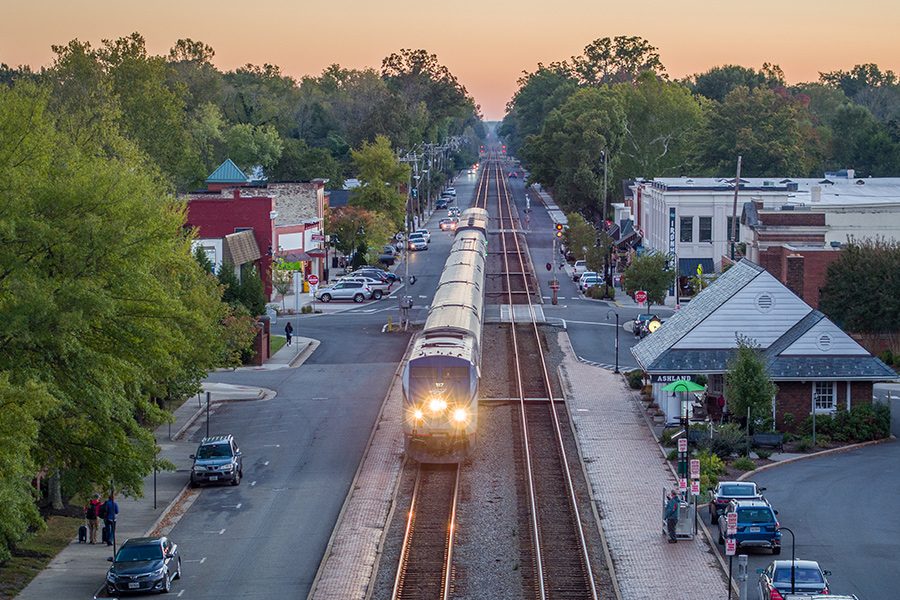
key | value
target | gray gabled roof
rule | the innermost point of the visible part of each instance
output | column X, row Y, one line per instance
column 683, row 321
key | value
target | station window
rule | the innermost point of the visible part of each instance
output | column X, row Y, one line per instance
column 705, row 229
column 824, row 396
column 687, row 229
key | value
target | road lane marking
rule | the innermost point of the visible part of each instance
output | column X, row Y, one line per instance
column 423, row 296
column 592, row 323
column 272, row 446
column 252, row 483
column 221, row 531
column 266, row 464
column 180, row 593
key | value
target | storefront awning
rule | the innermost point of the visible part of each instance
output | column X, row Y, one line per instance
column 240, row 248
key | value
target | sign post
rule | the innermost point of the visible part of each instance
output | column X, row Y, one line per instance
column 313, row 281
column 640, row 296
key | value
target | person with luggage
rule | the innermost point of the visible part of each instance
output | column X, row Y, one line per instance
column 108, row 511
column 671, row 515
column 91, row 512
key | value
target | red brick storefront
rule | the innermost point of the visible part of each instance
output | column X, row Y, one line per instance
column 795, row 398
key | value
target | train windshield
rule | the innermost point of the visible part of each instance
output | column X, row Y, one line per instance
column 452, row 381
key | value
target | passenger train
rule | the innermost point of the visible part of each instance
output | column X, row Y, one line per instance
column 440, row 380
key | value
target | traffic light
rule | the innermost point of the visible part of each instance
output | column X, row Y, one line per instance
column 559, row 230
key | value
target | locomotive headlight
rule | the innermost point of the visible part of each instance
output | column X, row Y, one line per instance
column 418, row 415
column 460, row 415
column 437, row 405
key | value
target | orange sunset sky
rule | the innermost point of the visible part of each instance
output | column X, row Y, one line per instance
column 486, row 44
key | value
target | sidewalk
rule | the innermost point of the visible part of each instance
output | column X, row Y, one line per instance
column 627, row 475
column 80, row 569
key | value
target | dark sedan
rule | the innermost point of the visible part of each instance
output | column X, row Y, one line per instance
column 144, row 565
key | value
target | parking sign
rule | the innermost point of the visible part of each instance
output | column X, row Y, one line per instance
column 682, row 484
column 695, row 487
column 695, row 468
column 732, row 524
column 682, row 445
column 730, row 547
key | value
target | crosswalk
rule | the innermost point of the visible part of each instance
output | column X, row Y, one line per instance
column 594, row 363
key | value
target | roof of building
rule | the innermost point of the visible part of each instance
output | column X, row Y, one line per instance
column 798, row 343
column 227, row 172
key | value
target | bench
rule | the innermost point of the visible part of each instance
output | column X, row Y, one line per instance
column 768, row 440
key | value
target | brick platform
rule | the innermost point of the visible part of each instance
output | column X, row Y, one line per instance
column 351, row 557
column 627, row 475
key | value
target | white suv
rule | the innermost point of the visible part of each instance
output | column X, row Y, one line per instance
column 345, row 290
column 379, row 287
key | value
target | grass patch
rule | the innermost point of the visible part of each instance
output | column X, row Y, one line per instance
column 31, row 556
column 276, row 343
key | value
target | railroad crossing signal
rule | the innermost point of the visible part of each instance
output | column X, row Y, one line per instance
column 559, row 230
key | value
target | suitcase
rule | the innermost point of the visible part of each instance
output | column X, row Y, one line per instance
column 82, row 534
column 105, row 534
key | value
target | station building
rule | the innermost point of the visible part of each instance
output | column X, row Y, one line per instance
column 816, row 366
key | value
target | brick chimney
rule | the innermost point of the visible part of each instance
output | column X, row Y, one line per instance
column 794, row 276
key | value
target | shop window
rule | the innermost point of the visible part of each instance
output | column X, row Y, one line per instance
column 824, row 396
column 687, row 229
column 705, row 229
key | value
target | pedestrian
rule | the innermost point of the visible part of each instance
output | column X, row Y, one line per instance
column 671, row 515
column 288, row 332
column 108, row 512
column 91, row 511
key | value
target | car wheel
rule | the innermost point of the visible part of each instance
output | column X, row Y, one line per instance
column 325, row 298
column 237, row 479
column 776, row 550
column 377, row 294
column 358, row 298
column 178, row 572
column 713, row 517
column 167, row 584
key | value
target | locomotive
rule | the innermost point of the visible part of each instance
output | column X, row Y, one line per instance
column 440, row 379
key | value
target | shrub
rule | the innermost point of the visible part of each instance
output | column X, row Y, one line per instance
column 635, row 379
column 306, row 309
column 727, row 440
column 805, row 444
column 601, row 292
column 862, row 423
column 763, row 454
column 666, row 438
column 673, row 454
column 711, row 467
column 789, row 420
column 743, row 463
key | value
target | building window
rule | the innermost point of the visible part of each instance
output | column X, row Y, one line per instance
column 705, row 229
column 687, row 229
column 824, row 396
column 737, row 232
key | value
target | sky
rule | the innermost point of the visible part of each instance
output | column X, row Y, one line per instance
column 487, row 44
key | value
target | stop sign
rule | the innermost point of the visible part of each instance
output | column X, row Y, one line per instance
column 313, row 279
column 640, row 296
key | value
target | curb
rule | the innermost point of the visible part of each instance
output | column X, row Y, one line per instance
column 818, row 454
column 302, row 356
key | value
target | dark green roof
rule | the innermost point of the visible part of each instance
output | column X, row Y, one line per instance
column 228, row 172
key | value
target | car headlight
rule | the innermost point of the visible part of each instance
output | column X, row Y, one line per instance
column 111, row 577
column 158, row 573
column 437, row 405
column 198, row 469
column 228, row 468
column 460, row 416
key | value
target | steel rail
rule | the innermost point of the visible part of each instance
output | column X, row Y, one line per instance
column 503, row 192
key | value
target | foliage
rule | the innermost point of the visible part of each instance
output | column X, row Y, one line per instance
column 601, row 292
column 251, row 293
column 862, row 141
column 380, row 175
column 539, row 93
column 253, row 145
column 725, row 441
column 648, row 272
column 283, row 282
column 617, row 60
column 579, row 236
column 762, row 453
column 862, row 287
column 635, row 379
column 355, row 226
column 748, row 386
column 718, row 82
column 711, row 468
column 862, row 423
column 299, row 162
column 672, row 455
column 238, row 332
column 743, row 463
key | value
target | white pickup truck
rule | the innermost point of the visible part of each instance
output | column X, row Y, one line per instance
column 579, row 269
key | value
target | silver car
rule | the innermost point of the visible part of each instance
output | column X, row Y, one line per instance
column 345, row 290
column 379, row 287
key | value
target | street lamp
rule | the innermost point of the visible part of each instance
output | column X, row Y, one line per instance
column 793, row 558
column 617, row 337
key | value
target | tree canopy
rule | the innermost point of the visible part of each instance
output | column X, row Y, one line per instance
column 648, row 272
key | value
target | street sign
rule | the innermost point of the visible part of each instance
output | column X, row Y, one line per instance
column 695, row 468
column 682, row 484
column 731, row 521
column 313, row 279
column 682, row 445
column 730, row 547
column 640, row 296
column 695, row 487
column 317, row 237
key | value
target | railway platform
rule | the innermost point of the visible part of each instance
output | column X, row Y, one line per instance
column 626, row 472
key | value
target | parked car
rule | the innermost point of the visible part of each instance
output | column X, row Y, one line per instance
column 145, row 564
column 585, row 275
column 442, row 203
column 645, row 323
column 379, row 286
column 217, row 460
column 513, row 175
column 424, row 233
column 450, row 191
column 448, row 224
column 417, row 243
column 726, row 491
column 370, row 271
column 809, row 579
column 579, row 269
column 453, row 211
column 345, row 290
column 790, row 596
column 590, row 281
column 757, row 525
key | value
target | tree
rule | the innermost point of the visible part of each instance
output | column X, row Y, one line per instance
column 749, row 387
column 862, row 287
column 580, row 235
column 648, row 272
column 538, row 95
column 765, row 128
column 299, row 162
column 249, row 146
column 617, row 60
column 251, row 292
column 863, row 143
column 380, row 175
column 283, row 282
column 661, row 121
column 566, row 154
column 718, row 82
column 355, row 226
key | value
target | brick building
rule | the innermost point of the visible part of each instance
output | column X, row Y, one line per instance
column 816, row 366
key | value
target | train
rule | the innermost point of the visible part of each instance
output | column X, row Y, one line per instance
column 440, row 378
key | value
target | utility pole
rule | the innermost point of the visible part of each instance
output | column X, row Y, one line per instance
column 605, row 155
column 737, row 185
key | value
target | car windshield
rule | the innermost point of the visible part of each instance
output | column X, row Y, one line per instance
column 755, row 515
column 736, row 489
column 801, row 575
column 137, row 553
column 214, row 451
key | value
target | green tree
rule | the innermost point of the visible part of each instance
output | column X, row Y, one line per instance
column 354, row 227
column 580, row 235
column 538, row 95
column 748, row 386
column 380, row 175
column 566, row 154
column 617, row 60
column 862, row 287
column 863, row 143
column 648, row 272
column 718, row 82
column 249, row 146
column 251, row 292
column 299, row 162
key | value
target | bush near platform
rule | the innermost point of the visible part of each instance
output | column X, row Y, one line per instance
column 862, row 423
column 725, row 441
column 743, row 463
column 635, row 379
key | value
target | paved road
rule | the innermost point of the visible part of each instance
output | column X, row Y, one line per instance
column 843, row 509
column 265, row 538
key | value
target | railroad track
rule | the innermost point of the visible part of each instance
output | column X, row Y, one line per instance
column 560, row 553
column 426, row 557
